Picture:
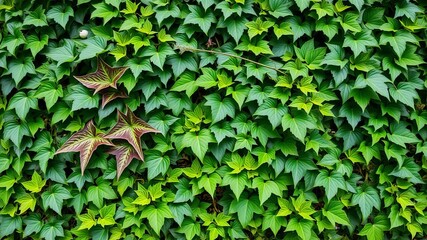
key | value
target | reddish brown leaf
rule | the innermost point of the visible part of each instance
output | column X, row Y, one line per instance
column 84, row 141
column 130, row 128
column 124, row 154
column 105, row 76
column 110, row 96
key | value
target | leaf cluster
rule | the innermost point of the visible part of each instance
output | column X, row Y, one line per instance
column 276, row 119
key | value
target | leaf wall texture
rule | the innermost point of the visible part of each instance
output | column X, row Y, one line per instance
column 277, row 119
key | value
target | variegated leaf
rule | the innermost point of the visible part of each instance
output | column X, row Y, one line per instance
column 85, row 141
column 124, row 154
column 130, row 128
column 105, row 76
column 110, row 96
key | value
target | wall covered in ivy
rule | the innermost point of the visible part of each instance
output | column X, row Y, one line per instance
column 212, row 119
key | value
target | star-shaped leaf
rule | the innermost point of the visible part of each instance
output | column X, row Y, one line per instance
column 110, row 96
column 84, row 141
column 105, row 76
column 124, row 154
column 130, row 128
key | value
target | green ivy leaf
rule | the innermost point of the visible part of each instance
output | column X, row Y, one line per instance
column 88, row 220
column 401, row 135
column 158, row 56
column 187, row 83
column 375, row 80
column 156, row 164
column 336, row 57
column 245, row 208
column 302, row 5
column 323, row 9
column 220, row 107
column 228, row 10
column 405, row 93
column 36, row 184
column 36, row 18
column 81, row 98
column 303, row 207
column 298, row 122
column 408, row 169
column 198, row 142
column 104, row 11
column 375, row 231
column 26, row 201
column 19, row 68
column 106, row 217
column 258, row 27
column 190, row 229
column 51, row 92
column 209, row 183
column 349, row 22
column 237, row 182
column 273, row 222
column 331, row 181
column 206, row 3
column 397, row 40
column 60, row 14
column 265, row 189
column 328, row 26
column 12, row 41
column 282, row 30
column 407, row 9
column 36, row 43
column 298, row 168
column 22, row 104
column 244, row 141
column 395, row 219
column 182, row 62
column 235, row 26
column 335, row 213
column 367, row 198
column 414, row 228
column 102, row 190
column 15, row 131
column 256, row 45
column 280, row 8
column 357, row 3
column 8, row 225
column 93, row 47
column 33, row 224
column 200, row 17
column 359, row 41
column 52, row 230
column 301, row 226
column 409, row 57
column 352, row 113
column 156, row 215
column 54, row 197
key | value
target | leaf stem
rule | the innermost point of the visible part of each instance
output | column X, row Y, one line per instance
column 190, row 49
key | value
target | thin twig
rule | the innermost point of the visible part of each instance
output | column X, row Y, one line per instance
column 190, row 49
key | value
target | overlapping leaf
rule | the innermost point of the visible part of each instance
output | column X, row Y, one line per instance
column 124, row 155
column 307, row 119
column 130, row 128
column 110, row 96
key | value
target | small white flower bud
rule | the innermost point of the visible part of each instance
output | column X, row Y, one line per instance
column 83, row 33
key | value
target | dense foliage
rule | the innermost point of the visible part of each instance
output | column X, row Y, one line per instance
column 255, row 119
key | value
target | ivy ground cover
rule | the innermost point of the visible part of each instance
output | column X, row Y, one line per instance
column 211, row 119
